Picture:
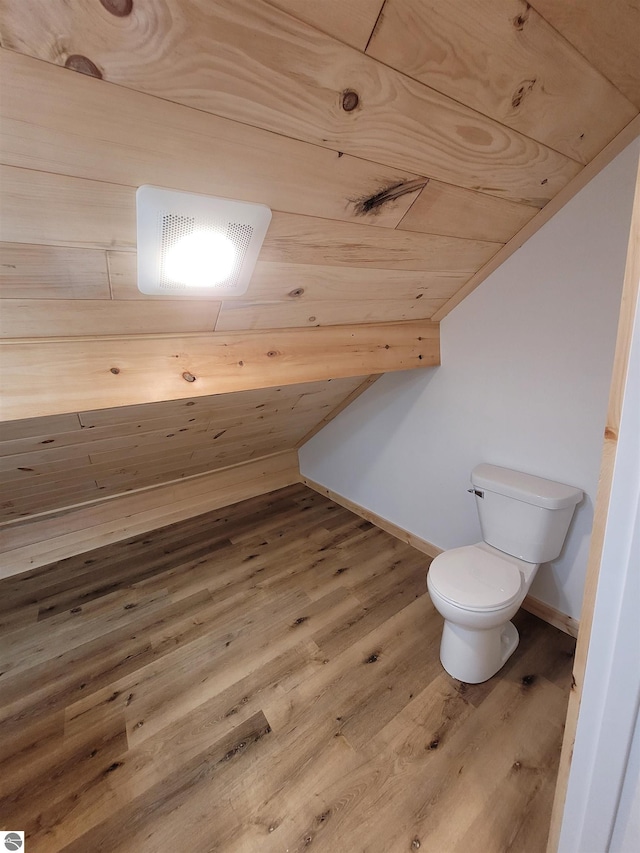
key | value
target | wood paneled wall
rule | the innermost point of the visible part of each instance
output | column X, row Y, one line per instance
column 40, row 540
column 62, row 460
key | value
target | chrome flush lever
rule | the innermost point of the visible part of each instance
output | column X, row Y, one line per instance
column 476, row 492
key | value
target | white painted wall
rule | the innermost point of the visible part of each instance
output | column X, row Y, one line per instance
column 524, row 381
column 625, row 837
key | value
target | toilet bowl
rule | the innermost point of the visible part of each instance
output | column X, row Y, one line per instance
column 478, row 589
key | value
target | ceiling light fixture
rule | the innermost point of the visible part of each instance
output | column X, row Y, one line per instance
column 189, row 242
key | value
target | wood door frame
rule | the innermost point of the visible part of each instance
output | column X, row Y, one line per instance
column 608, row 459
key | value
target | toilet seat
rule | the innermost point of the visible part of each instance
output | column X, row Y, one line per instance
column 474, row 578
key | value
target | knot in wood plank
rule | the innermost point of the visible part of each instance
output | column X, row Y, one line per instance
column 350, row 100
column 119, row 8
column 83, row 65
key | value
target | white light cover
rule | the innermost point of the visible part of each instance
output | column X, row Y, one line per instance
column 194, row 243
column 201, row 259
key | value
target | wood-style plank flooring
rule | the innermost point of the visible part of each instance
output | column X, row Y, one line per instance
column 265, row 678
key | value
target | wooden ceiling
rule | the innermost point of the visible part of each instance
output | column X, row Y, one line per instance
column 405, row 147
column 400, row 145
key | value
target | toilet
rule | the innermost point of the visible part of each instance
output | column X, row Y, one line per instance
column 479, row 588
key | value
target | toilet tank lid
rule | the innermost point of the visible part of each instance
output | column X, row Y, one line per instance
column 525, row 487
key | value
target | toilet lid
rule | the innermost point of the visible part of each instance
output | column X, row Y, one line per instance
column 475, row 579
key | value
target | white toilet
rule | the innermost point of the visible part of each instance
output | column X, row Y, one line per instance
column 478, row 588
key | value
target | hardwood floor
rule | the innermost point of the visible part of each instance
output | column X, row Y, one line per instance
column 265, row 678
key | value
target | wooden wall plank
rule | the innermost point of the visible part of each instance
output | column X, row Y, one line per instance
column 607, row 34
column 123, row 280
column 27, row 318
column 93, row 428
column 128, row 480
column 33, row 427
column 53, row 120
column 161, row 450
column 329, row 17
column 292, row 83
column 297, row 313
column 308, row 240
column 161, row 454
column 48, row 492
column 445, row 209
column 30, row 465
column 59, row 431
column 285, row 282
column 44, row 500
column 64, row 444
column 191, row 407
column 51, row 272
column 37, row 542
column 502, row 58
column 281, row 281
column 77, row 374
column 56, row 210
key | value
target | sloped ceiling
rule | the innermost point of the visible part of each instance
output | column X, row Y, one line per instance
column 406, row 148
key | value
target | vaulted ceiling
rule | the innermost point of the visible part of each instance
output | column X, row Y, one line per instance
column 406, row 148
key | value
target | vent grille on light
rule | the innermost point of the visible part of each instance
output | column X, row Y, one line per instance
column 173, row 228
column 165, row 217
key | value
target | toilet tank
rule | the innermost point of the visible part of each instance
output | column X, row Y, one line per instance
column 522, row 515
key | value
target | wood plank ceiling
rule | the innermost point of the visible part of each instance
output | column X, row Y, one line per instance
column 402, row 145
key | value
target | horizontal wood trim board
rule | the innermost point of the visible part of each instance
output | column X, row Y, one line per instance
column 532, row 605
column 53, row 376
column 32, row 543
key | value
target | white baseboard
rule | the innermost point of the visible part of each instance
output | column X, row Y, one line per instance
column 532, row 605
